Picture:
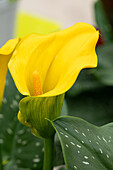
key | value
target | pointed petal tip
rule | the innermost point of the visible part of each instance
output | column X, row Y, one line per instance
column 9, row 46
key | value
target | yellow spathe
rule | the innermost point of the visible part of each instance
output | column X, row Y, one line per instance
column 5, row 54
column 57, row 57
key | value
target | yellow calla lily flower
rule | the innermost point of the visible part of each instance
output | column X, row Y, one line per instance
column 48, row 65
column 5, row 55
column 44, row 67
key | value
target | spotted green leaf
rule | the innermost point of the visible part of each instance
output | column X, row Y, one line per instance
column 85, row 146
column 20, row 149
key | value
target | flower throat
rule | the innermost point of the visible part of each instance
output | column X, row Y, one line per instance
column 37, row 84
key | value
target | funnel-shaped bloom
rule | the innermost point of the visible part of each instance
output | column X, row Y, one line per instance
column 44, row 67
column 5, row 54
column 56, row 58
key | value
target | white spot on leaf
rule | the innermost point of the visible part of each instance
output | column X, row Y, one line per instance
column 107, row 156
column 76, row 130
column 1, row 116
column 37, row 144
column 9, row 131
column 17, row 96
column 86, row 163
column 14, row 104
column 67, row 145
column 78, row 146
column 104, row 139
column 86, row 157
column 1, row 141
column 61, row 133
column 98, row 137
column 100, row 150
column 66, row 136
column 21, row 132
column 72, row 143
column 24, row 142
column 75, row 167
column 36, row 160
column 4, row 100
column 83, row 134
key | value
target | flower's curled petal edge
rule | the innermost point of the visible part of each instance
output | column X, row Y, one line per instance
column 86, row 58
column 9, row 46
column 5, row 55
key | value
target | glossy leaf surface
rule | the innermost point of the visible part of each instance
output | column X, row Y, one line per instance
column 84, row 145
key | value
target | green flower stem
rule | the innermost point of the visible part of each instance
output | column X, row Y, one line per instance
column 1, row 166
column 48, row 153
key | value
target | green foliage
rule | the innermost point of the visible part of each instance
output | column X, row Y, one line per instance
column 35, row 109
column 84, row 145
column 102, row 21
column 86, row 81
column 20, row 149
column 94, row 106
column 104, row 71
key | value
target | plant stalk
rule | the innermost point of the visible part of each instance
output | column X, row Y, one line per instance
column 1, row 166
column 48, row 154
